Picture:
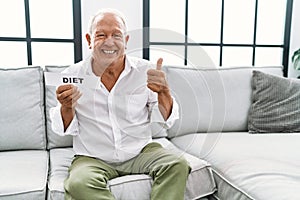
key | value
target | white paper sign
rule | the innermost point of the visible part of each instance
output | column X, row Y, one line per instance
column 57, row 79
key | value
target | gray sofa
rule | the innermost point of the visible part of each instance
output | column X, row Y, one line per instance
column 227, row 161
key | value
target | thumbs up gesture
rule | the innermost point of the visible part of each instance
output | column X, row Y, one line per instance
column 157, row 83
column 157, row 78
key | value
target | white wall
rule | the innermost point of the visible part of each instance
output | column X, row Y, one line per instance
column 132, row 9
column 295, row 37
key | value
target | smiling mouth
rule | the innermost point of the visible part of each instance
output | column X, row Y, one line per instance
column 109, row 51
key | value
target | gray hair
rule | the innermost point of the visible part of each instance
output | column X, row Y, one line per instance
column 104, row 11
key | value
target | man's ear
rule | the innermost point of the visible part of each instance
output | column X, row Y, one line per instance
column 88, row 39
column 126, row 40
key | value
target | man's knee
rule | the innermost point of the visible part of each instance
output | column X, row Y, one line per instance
column 77, row 184
column 178, row 167
column 181, row 166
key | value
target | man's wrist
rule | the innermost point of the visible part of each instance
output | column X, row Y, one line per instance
column 165, row 103
column 165, row 92
column 67, row 110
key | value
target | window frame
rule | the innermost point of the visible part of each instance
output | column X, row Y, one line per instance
column 77, row 41
column 285, row 46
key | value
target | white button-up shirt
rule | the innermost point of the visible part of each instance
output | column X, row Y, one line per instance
column 113, row 126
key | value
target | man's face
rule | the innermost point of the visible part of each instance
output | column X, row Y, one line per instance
column 108, row 40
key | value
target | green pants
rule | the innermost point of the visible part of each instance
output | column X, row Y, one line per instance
column 88, row 176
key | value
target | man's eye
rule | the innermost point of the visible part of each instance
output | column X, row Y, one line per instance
column 118, row 36
column 100, row 35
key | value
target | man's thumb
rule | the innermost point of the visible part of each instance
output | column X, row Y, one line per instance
column 159, row 64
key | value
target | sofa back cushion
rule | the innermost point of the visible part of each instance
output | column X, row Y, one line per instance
column 212, row 100
column 22, row 121
column 54, row 140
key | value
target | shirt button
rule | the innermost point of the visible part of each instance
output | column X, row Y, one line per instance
column 165, row 126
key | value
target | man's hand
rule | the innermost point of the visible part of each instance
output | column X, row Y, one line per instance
column 67, row 95
column 157, row 83
column 157, row 78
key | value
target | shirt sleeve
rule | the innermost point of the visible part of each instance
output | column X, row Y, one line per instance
column 156, row 115
column 57, row 123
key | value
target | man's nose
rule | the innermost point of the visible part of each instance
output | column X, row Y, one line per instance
column 109, row 40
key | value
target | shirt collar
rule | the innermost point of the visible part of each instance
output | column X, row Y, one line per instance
column 89, row 66
column 129, row 64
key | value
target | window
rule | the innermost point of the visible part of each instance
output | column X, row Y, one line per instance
column 218, row 32
column 40, row 32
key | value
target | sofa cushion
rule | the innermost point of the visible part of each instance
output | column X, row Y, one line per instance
column 275, row 104
column 23, row 174
column 212, row 100
column 249, row 166
column 200, row 182
column 60, row 161
column 54, row 140
column 22, row 118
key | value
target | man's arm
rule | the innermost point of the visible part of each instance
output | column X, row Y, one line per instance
column 165, row 104
column 157, row 83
